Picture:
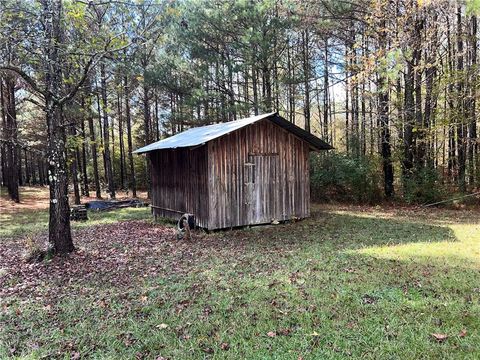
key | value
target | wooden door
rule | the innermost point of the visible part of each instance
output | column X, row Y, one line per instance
column 262, row 188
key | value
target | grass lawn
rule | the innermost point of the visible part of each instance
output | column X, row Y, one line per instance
column 360, row 282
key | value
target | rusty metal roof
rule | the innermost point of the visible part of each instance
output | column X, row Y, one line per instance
column 200, row 135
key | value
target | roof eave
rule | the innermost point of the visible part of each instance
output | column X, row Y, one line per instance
column 314, row 142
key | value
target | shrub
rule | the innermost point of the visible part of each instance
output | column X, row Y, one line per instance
column 423, row 186
column 344, row 177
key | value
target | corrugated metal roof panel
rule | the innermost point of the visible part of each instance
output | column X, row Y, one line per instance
column 201, row 135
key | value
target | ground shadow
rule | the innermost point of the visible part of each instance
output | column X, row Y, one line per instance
column 345, row 231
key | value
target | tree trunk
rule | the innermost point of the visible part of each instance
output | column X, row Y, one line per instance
column 84, row 154
column 461, row 127
column 100, row 126
column 28, row 180
column 11, row 132
column 255, row 89
column 128, row 119
column 93, row 145
column 291, row 89
column 452, row 161
column 355, row 135
column 41, row 175
column 363, row 109
column 383, row 112
column 146, row 123
column 76, row 189
column 157, row 119
column 472, row 127
column 74, row 169
column 120, row 137
column 419, row 135
column 325, row 92
column 3, row 145
column 32, row 167
column 409, row 119
column 106, row 134
column 306, row 80
column 347, row 109
column 430, row 100
column 59, row 222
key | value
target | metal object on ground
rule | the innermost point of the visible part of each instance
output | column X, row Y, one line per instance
column 103, row 205
column 184, row 225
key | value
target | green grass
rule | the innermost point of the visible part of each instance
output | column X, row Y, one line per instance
column 359, row 282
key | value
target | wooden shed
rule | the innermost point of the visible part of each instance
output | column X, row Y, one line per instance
column 244, row 172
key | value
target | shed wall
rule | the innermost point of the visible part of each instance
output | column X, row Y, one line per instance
column 179, row 183
column 230, row 184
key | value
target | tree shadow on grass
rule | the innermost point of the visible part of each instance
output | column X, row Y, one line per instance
column 450, row 244
column 344, row 231
column 386, row 238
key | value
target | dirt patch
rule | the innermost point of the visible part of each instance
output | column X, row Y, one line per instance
column 33, row 198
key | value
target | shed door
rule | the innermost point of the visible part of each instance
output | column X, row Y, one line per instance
column 262, row 188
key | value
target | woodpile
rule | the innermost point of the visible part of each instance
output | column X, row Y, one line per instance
column 78, row 213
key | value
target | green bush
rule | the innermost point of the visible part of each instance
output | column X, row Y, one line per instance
column 423, row 186
column 344, row 177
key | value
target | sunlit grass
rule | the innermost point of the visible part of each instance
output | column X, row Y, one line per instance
column 23, row 223
column 29, row 222
column 463, row 250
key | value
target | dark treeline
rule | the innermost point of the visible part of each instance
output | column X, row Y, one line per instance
column 391, row 83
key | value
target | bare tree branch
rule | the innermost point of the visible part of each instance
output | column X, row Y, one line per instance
column 27, row 78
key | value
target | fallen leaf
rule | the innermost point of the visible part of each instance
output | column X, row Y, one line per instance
column 440, row 337
column 162, row 326
column 224, row 346
column 271, row 334
column 462, row 333
column 369, row 299
column 208, row 350
column 207, row 310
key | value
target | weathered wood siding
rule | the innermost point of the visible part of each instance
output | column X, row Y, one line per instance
column 257, row 174
column 179, row 183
